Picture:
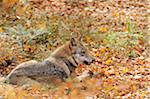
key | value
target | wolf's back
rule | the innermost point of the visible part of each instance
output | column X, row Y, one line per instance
column 34, row 69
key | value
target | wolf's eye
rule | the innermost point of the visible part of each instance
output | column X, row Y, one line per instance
column 83, row 52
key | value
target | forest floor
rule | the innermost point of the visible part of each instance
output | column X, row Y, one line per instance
column 115, row 31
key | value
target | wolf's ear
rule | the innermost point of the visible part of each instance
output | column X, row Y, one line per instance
column 77, row 36
column 80, row 37
column 73, row 42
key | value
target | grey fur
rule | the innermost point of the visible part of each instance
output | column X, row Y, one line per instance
column 43, row 69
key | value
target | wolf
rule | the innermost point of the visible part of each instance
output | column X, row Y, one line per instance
column 61, row 64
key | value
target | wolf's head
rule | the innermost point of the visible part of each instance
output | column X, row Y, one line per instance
column 80, row 53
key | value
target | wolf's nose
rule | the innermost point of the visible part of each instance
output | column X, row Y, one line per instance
column 93, row 60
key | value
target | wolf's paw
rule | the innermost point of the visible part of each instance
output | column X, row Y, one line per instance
column 84, row 75
column 2, row 79
column 29, row 86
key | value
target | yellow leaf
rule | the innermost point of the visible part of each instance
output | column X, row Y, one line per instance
column 108, row 62
column 103, row 29
column 134, row 88
column 115, row 14
column 103, row 50
column 10, row 94
column 143, row 94
column 1, row 29
column 123, row 12
column 125, row 70
column 116, row 73
column 41, row 25
column 88, row 39
column 97, row 54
